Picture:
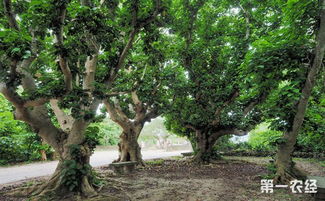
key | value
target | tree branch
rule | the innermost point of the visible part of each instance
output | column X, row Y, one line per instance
column 10, row 14
column 190, row 127
column 118, row 93
column 89, row 75
column 11, row 95
column 136, row 27
column 64, row 120
column 225, row 104
column 252, row 104
column 153, row 16
column 37, row 102
column 59, row 45
column 311, row 76
column 247, row 21
column 151, row 115
column 122, row 57
column 222, row 132
column 116, row 115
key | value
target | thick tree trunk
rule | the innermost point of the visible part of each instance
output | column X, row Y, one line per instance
column 204, row 148
column 285, row 166
column 73, row 174
column 286, row 170
column 129, row 149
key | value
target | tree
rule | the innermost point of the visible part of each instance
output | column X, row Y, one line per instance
column 143, row 91
column 218, row 98
column 286, row 170
column 63, row 57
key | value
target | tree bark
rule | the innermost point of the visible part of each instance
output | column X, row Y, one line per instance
column 63, row 143
column 284, row 164
column 129, row 149
column 204, row 147
column 60, row 182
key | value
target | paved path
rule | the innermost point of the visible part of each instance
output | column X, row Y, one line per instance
column 99, row 158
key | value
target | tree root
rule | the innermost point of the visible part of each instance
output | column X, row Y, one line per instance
column 197, row 159
column 53, row 189
column 284, row 176
column 141, row 163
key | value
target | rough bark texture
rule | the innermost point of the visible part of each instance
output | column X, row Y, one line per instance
column 56, row 185
column 35, row 113
column 205, row 143
column 129, row 149
column 285, row 166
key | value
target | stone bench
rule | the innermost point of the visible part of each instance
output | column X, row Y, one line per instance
column 187, row 154
column 320, row 195
column 123, row 167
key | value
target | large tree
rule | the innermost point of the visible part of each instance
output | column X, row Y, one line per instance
column 142, row 91
column 218, row 98
column 286, row 171
column 290, row 62
column 63, row 57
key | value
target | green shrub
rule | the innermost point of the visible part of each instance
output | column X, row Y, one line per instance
column 263, row 139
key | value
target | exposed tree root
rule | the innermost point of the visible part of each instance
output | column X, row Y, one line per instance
column 53, row 189
column 198, row 159
column 204, row 157
column 285, row 175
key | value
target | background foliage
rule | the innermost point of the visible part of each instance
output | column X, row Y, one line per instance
column 17, row 142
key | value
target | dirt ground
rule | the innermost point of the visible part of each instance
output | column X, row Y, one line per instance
column 233, row 179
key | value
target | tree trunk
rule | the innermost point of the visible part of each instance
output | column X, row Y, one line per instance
column 73, row 174
column 284, row 164
column 204, row 147
column 286, row 170
column 129, row 149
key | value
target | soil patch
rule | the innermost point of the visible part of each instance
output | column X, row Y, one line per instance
column 176, row 180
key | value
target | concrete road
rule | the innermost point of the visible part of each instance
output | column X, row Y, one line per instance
column 99, row 158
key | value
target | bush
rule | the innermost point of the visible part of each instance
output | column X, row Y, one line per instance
column 263, row 139
column 22, row 147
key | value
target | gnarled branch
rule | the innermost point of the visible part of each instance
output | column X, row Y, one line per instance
column 37, row 102
column 63, row 63
column 64, row 120
column 116, row 115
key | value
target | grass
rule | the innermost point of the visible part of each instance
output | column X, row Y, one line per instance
column 312, row 160
column 176, row 157
column 156, row 162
